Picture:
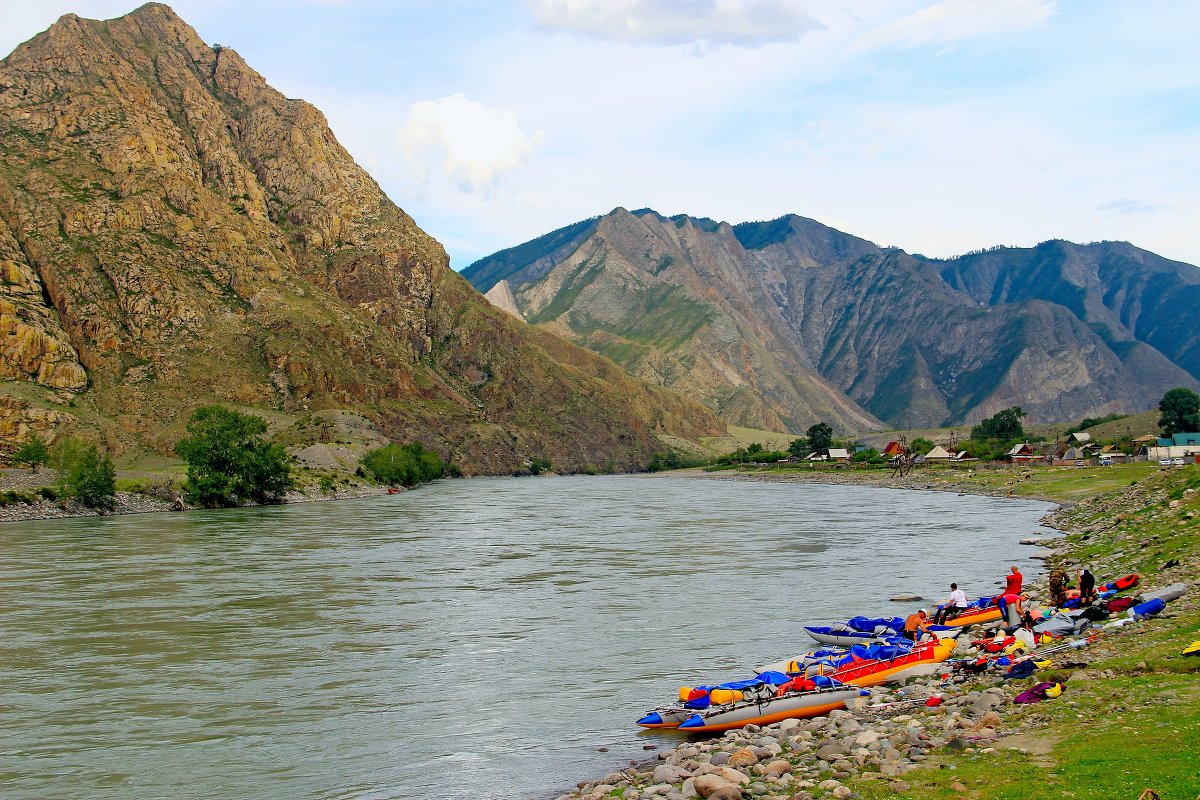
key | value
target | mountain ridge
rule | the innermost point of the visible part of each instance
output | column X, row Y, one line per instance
column 911, row 340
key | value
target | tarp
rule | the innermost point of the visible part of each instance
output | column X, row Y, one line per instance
column 1061, row 625
column 874, row 624
column 1172, row 592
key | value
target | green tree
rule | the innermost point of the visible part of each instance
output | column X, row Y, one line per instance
column 539, row 465
column 870, row 455
column 403, row 464
column 1180, row 410
column 32, row 454
column 1004, row 425
column 920, row 446
column 799, row 447
column 93, row 479
column 83, row 473
column 229, row 462
column 820, row 436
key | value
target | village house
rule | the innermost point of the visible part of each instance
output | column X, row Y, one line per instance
column 938, row 454
column 1180, row 445
column 1073, row 456
column 1022, row 454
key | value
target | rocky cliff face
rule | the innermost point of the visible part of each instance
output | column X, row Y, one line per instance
column 173, row 231
column 788, row 321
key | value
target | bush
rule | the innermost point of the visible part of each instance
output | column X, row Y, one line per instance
column 870, row 456
column 754, row 454
column 83, row 473
column 229, row 463
column 327, row 484
column 673, row 460
column 93, row 480
column 539, row 465
column 12, row 498
column 48, row 493
column 404, row 464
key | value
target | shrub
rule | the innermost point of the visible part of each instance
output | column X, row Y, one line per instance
column 83, row 473
column 539, row 465
column 403, row 464
column 229, row 462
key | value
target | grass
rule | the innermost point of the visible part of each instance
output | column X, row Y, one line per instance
column 1061, row 483
column 741, row 437
column 1131, row 721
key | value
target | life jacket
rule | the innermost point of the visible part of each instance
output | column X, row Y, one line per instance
column 1127, row 582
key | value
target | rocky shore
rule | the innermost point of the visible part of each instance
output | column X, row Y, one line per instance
column 869, row 750
column 959, row 481
column 129, row 502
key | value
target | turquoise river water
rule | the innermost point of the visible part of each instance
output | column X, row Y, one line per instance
column 470, row 639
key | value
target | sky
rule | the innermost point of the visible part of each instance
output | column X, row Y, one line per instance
column 938, row 127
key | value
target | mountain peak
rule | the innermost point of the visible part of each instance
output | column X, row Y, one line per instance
column 182, row 232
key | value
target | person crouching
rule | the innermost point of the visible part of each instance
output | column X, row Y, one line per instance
column 915, row 625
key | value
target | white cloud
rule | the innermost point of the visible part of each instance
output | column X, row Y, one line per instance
column 951, row 21
column 1129, row 206
column 470, row 142
column 739, row 22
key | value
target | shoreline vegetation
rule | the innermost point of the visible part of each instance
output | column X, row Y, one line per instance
column 1128, row 720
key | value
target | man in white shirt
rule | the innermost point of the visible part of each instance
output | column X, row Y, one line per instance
column 955, row 605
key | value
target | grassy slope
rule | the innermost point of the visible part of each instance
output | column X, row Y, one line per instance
column 741, row 437
column 1137, row 424
column 1107, row 737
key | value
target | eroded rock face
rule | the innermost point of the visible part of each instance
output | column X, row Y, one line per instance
column 174, row 230
column 19, row 421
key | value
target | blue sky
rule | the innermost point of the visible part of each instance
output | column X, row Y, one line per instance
column 939, row 127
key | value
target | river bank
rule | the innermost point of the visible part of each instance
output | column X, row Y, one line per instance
column 1129, row 718
column 32, row 506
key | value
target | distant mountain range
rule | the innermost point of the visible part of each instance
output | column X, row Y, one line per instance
column 782, row 323
column 173, row 231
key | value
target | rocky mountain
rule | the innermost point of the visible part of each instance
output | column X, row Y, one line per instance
column 174, row 231
column 789, row 321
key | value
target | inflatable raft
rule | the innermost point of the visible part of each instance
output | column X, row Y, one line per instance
column 893, row 666
column 870, row 665
column 752, row 708
column 982, row 610
column 845, row 636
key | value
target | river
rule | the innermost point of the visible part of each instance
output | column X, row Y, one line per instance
column 470, row 639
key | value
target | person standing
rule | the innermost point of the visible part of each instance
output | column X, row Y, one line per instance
column 1013, row 582
column 953, row 606
column 1058, row 587
column 1087, row 587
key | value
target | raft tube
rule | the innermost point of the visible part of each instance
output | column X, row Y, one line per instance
column 795, row 705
